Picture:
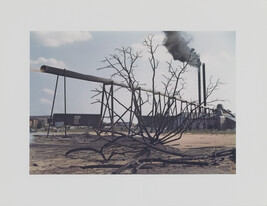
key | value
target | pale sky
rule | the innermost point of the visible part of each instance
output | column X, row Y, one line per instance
column 83, row 52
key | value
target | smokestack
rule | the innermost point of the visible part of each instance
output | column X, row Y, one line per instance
column 204, row 85
column 199, row 88
column 177, row 45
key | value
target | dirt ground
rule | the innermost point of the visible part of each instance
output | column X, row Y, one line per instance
column 48, row 155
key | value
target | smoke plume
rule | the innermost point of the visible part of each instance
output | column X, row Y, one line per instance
column 177, row 45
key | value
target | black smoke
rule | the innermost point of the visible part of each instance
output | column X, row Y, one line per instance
column 177, row 45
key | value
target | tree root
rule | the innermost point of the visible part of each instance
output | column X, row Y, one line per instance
column 97, row 151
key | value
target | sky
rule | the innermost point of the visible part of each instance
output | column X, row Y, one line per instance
column 83, row 52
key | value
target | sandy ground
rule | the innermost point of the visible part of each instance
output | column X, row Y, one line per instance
column 48, row 155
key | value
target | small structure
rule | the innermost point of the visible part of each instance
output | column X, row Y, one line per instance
column 224, row 118
column 37, row 120
column 77, row 119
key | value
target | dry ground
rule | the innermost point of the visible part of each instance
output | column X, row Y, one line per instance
column 48, row 155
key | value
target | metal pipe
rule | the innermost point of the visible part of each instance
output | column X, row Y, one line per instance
column 75, row 75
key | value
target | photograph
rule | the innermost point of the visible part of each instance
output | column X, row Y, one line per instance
column 132, row 102
column 136, row 103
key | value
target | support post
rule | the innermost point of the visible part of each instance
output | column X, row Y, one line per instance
column 65, row 105
column 112, row 108
column 140, row 102
column 168, row 117
column 131, row 111
column 55, row 92
column 102, row 105
column 160, row 109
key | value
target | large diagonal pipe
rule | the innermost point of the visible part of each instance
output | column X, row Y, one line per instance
column 91, row 78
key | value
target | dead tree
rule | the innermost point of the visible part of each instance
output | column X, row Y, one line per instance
column 163, row 105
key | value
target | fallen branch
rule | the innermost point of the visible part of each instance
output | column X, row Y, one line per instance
column 215, row 154
column 101, row 166
column 173, row 161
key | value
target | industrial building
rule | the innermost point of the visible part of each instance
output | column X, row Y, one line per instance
column 221, row 119
column 76, row 119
